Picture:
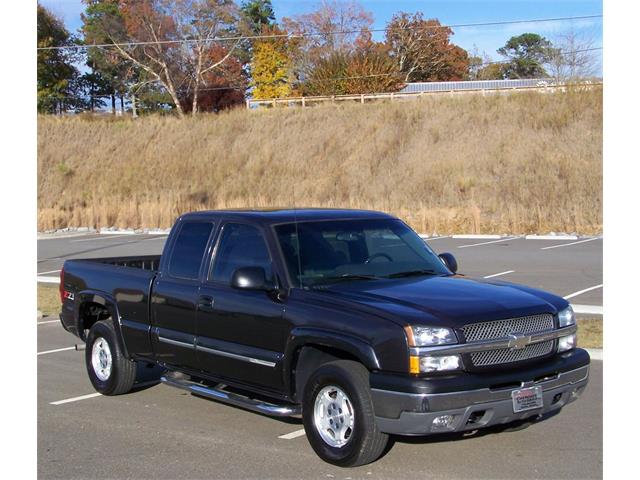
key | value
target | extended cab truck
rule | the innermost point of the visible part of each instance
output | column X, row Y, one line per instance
column 345, row 317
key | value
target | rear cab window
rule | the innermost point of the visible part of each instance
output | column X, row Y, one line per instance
column 188, row 250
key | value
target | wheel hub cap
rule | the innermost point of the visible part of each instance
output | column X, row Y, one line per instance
column 333, row 416
column 101, row 360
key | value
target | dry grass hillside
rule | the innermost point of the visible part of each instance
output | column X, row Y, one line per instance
column 528, row 162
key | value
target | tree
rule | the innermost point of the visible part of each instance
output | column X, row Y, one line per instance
column 326, row 23
column 58, row 85
column 179, row 43
column 423, row 50
column 572, row 57
column 492, row 71
column 271, row 67
column 259, row 14
column 357, row 72
column 116, row 77
column 527, row 53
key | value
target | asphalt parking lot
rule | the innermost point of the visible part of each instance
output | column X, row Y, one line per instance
column 160, row 432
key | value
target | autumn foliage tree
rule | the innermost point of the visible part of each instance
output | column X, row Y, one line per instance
column 318, row 33
column 178, row 45
column 271, row 66
column 423, row 51
column 347, row 73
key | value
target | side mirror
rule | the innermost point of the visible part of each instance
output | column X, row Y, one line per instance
column 250, row 278
column 450, row 261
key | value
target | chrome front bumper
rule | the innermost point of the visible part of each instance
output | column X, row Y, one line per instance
column 413, row 413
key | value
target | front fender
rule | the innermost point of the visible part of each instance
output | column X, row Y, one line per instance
column 306, row 336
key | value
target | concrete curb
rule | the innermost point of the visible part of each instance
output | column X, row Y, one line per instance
column 550, row 237
column 595, row 353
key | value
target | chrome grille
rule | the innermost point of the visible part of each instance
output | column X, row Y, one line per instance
column 502, row 328
column 506, row 355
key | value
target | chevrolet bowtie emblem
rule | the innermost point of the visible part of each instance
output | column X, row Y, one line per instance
column 518, row 342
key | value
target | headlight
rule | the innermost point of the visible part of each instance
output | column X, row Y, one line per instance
column 429, row 336
column 435, row 364
column 567, row 343
column 566, row 317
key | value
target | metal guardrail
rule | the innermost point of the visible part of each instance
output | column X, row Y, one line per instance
column 476, row 85
column 392, row 96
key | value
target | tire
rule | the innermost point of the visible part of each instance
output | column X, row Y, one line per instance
column 356, row 440
column 109, row 371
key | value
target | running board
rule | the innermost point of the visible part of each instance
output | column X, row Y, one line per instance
column 234, row 399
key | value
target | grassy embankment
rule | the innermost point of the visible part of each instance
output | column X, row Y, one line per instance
column 589, row 331
column 521, row 163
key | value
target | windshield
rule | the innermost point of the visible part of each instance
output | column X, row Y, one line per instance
column 330, row 251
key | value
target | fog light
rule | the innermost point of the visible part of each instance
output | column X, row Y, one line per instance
column 575, row 394
column 567, row 343
column 443, row 423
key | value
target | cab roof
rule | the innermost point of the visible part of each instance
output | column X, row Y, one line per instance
column 284, row 215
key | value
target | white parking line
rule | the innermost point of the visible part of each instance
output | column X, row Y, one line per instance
column 475, row 236
column 588, row 309
column 580, row 292
column 56, row 350
column 48, row 321
column 108, row 237
column 498, row 274
column 76, row 399
column 487, row 243
column 427, row 237
column 572, row 243
column 41, row 279
column 292, row 435
column 52, row 271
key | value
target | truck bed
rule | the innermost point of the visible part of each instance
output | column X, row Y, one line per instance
column 126, row 281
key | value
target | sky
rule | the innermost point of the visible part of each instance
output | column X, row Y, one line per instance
column 450, row 12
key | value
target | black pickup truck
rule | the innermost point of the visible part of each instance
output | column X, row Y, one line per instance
column 344, row 317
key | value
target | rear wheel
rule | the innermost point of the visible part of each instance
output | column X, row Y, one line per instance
column 109, row 371
column 338, row 415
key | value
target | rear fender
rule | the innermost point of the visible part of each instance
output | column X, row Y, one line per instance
column 109, row 303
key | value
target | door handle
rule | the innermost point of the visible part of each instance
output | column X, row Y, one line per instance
column 205, row 303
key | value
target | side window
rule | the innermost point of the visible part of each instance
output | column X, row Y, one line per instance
column 240, row 246
column 188, row 249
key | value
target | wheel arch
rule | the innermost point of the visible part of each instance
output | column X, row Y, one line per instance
column 309, row 348
column 92, row 306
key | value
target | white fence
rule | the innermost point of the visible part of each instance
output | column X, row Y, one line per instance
column 479, row 87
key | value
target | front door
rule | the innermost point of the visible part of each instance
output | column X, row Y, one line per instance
column 241, row 333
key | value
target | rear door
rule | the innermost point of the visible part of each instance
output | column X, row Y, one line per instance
column 241, row 334
column 175, row 294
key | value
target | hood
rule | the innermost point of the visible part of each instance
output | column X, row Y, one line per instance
column 448, row 301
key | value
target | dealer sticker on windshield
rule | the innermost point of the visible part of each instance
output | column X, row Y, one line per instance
column 527, row 399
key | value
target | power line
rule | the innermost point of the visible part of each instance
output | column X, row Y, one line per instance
column 315, row 34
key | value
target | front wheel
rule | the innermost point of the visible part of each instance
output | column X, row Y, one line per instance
column 109, row 371
column 338, row 415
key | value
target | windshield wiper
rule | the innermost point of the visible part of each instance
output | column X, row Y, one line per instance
column 350, row 276
column 412, row 273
